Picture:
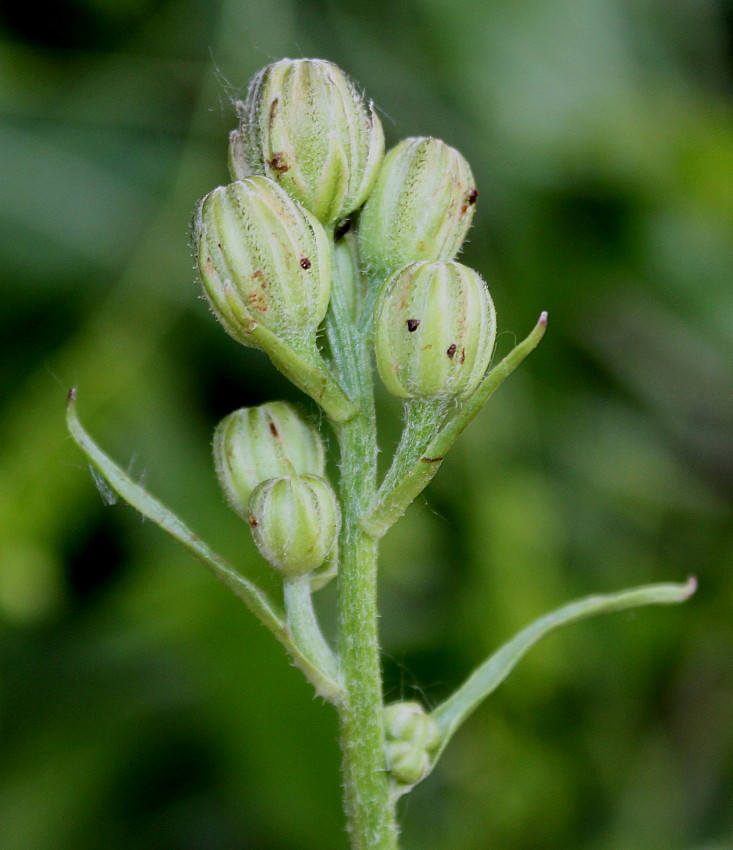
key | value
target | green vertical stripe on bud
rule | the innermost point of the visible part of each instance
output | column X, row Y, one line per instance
column 265, row 263
column 256, row 443
column 421, row 207
column 411, row 738
column 305, row 125
column 435, row 330
column 295, row 522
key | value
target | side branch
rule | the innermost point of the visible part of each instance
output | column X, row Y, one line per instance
column 399, row 490
column 257, row 602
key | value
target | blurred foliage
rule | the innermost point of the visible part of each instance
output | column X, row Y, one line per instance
column 139, row 704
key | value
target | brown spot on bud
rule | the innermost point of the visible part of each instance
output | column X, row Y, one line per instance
column 305, row 263
column 257, row 300
column 273, row 430
column 278, row 163
column 451, row 350
column 471, row 199
column 462, row 357
column 252, row 521
column 431, row 459
column 412, row 324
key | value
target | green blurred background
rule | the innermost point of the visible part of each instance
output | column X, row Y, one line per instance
column 140, row 705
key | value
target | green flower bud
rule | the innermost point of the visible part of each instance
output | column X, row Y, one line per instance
column 435, row 330
column 411, row 736
column 256, row 443
column 265, row 263
column 295, row 522
column 421, row 207
column 304, row 124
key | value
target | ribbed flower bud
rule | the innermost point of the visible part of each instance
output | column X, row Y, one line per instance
column 265, row 262
column 435, row 331
column 411, row 735
column 304, row 124
column 256, row 443
column 421, row 207
column 295, row 522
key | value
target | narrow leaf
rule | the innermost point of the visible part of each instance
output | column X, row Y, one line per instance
column 486, row 678
column 257, row 602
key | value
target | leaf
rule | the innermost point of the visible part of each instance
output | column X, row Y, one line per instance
column 257, row 602
column 487, row 678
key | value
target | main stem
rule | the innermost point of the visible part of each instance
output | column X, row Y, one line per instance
column 370, row 809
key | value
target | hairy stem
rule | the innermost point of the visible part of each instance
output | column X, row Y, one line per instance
column 370, row 809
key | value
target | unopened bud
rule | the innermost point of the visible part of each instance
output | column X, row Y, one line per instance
column 411, row 736
column 435, row 330
column 421, row 207
column 295, row 522
column 304, row 124
column 265, row 263
column 256, row 443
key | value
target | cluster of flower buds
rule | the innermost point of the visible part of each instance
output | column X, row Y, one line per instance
column 309, row 152
column 411, row 740
column 271, row 467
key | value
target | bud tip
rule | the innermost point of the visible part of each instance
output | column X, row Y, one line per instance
column 542, row 321
column 71, row 395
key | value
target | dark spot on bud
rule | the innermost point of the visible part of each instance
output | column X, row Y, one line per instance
column 273, row 430
column 342, row 228
column 431, row 459
column 451, row 350
column 412, row 324
column 471, row 199
column 278, row 163
column 252, row 521
column 462, row 358
column 305, row 263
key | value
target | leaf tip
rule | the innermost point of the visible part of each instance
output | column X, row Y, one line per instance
column 690, row 587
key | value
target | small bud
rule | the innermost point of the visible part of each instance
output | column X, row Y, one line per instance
column 411, row 736
column 265, row 263
column 304, row 124
column 256, row 443
column 421, row 207
column 435, row 330
column 295, row 522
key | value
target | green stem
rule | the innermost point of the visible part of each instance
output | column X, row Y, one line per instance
column 304, row 626
column 370, row 809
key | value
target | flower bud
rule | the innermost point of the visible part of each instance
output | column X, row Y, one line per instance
column 295, row 522
column 421, row 207
column 304, row 124
column 265, row 262
column 435, row 330
column 411, row 736
column 256, row 443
